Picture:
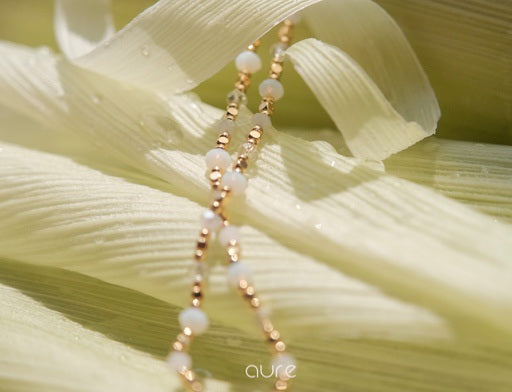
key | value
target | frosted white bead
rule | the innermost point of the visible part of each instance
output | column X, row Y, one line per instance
column 235, row 181
column 228, row 234
column 179, row 361
column 211, row 220
column 262, row 120
column 248, row 61
column 271, row 88
column 239, row 271
column 284, row 365
column 226, row 125
column 195, row 319
column 217, row 157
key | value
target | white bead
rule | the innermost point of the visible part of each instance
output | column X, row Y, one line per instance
column 228, row 234
column 239, row 271
column 211, row 220
column 179, row 361
column 248, row 61
column 218, row 157
column 226, row 125
column 284, row 365
column 195, row 319
column 235, row 181
column 262, row 120
column 271, row 88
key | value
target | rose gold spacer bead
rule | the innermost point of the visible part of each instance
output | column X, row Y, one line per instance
column 215, row 175
column 284, row 39
column 187, row 331
column 177, row 346
column 249, row 291
column 254, row 45
column 196, row 302
column 189, row 375
column 280, row 346
column 202, row 243
column 199, row 255
column 196, row 291
column 255, row 134
column 281, row 385
column 255, row 302
column 288, row 22
column 183, row 339
column 274, row 335
column 267, row 326
column 243, row 284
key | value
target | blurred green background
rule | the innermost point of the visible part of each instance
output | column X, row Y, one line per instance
column 465, row 48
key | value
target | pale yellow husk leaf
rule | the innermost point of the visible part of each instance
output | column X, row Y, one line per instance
column 93, row 336
column 346, row 214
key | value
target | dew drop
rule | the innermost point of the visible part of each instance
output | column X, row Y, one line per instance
column 96, row 99
column 145, row 51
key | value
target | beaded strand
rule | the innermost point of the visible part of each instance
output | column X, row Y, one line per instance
column 193, row 320
column 239, row 273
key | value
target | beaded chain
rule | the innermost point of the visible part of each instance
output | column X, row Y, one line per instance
column 225, row 184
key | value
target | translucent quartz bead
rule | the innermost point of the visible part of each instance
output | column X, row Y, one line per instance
column 248, row 61
column 211, row 220
column 235, row 181
column 218, row 157
column 236, row 96
column 194, row 319
column 226, row 125
column 295, row 18
column 262, row 120
column 179, row 361
column 239, row 271
column 278, row 51
column 271, row 88
column 248, row 149
column 284, row 365
column 228, row 234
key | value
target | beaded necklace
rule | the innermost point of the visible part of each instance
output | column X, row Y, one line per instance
column 226, row 184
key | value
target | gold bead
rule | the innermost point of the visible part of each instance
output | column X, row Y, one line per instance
column 215, row 175
column 202, row 243
column 199, row 255
column 223, row 140
column 281, row 385
column 255, row 134
column 274, row 335
column 187, row 331
column 196, row 302
column 177, row 346
column 280, row 346
column 233, row 111
column 267, row 326
column 249, row 291
column 255, row 302
column 189, row 375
